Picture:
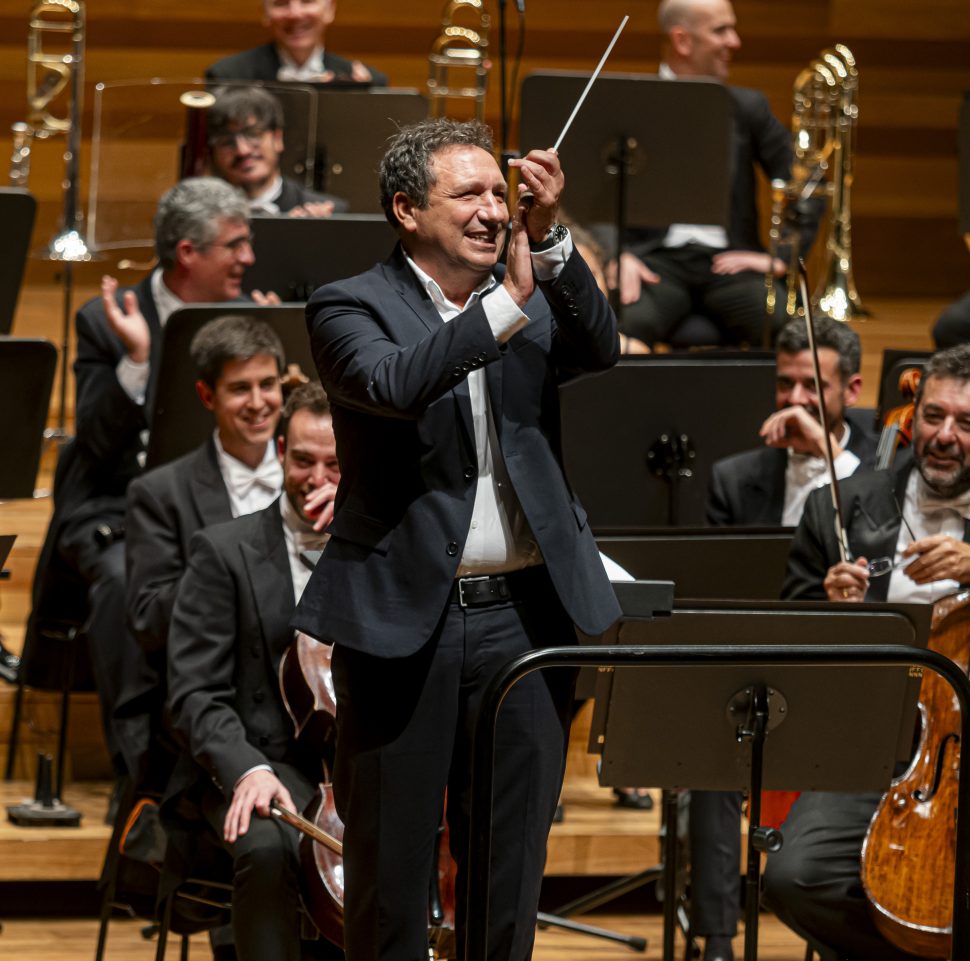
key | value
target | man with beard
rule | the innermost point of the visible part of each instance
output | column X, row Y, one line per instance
column 768, row 487
column 918, row 518
column 245, row 128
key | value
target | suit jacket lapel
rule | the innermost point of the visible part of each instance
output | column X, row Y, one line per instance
column 875, row 525
column 268, row 567
column 146, row 304
column 208, row 489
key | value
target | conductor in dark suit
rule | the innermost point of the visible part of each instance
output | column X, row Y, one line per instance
column 768, row 486
column 457, row 542
column 916, row 517
column 202, row 243
column 297, row 50
column 230, row 627
column 235, row 471
column 681, row 269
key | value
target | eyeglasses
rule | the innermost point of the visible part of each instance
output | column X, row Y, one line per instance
column 235, row 246
column 251, row 135
column 880, row 566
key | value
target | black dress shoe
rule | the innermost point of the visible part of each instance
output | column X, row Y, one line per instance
column 631, row 799
column 9, row 664
column 718, row 948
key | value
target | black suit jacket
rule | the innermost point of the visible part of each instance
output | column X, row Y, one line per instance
column 166, row 506
column 871, row 503
column 758, row 140
column 230, row 627
column 397, row 379
column 748, row 489
column 263, row 63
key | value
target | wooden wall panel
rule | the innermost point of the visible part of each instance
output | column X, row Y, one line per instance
column 912, row 58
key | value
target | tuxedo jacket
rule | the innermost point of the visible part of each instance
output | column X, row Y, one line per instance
column 166, row 506
column 230, row 627
column 871, row 503
column 396, row 375
column 758, row 140
column 748, row 489
column 263, row 63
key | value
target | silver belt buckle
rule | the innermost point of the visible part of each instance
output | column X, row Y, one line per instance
column 462, row 581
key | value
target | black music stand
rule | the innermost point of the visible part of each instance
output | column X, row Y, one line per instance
column 177, row 422
column 27, row 368
column 759, row 662
column 295, row 255
column 17, row 210
column 639, row 441
column 622, row 147
column 729, row 563
column 353, row 127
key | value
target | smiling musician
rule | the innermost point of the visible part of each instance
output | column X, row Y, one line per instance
column 456, row 543
column 912, row 523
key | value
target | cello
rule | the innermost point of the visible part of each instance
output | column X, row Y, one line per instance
column 308, row 694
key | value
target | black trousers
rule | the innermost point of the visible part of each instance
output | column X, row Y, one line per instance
column 715, row 862
column 404, row 735
column 813, row 883
column 266, row 878
column 736, row 303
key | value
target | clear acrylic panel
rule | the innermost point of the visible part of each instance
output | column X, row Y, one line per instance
column 140, row 130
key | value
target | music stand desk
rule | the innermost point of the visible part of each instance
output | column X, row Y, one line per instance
column 712, row 658
column 179, row 424
column 17, row 211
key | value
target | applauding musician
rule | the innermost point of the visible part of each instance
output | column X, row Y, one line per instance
column 456, row 543
column 230, row 627
column 296, row 51
column 916, row 516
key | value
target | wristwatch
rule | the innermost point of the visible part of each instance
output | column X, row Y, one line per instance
column 556, row 235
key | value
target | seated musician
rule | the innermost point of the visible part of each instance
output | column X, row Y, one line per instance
column 296, row 51
column 768, row 486
column 230, row 627
column 690, row 268
column 235, row 471
column 918, row 518
column 203, row 245
column 245, row 128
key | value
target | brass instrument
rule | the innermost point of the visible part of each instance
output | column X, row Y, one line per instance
column 462, row 50
column 823, row 129
column 52, row 71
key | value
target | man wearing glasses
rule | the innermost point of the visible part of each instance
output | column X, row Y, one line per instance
column 202, row 240
column 245, row 146
column 909, row 541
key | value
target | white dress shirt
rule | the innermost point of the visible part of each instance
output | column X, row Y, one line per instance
column 499, row 538
column 300, row 538
column 249, row 490
column 291, row 70
column 265, row 201
column 926, row 515
column 806, row 472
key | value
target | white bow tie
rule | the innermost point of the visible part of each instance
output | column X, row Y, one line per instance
column 244, row 481
column 929, row 502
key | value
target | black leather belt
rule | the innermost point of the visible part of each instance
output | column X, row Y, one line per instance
column 490, row 589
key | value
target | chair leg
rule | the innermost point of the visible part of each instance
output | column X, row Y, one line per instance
column 164, row 922
column 13, row 739
column 184, row 954
column 809, row 953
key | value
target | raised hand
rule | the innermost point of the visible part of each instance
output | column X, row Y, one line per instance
column 796, row 428
column 127, row 323
column 541, row 175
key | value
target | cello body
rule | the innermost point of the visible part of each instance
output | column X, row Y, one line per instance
column 909, row 853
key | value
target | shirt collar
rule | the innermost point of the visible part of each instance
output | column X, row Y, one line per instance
column 166, row 303
column 266, row 201
column 665, row 73
column 437, row 296
column 312, row 65
column 240, row 478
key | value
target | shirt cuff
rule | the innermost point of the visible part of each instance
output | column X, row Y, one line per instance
column 845, row 464
column 548, row 264
column 245, row 774
column 133, row 378
column 503, row 314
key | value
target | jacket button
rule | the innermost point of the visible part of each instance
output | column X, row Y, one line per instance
column 466, row 366
column 458, row 372
column 469, row 473
column 482, row 357
column 452, row 548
